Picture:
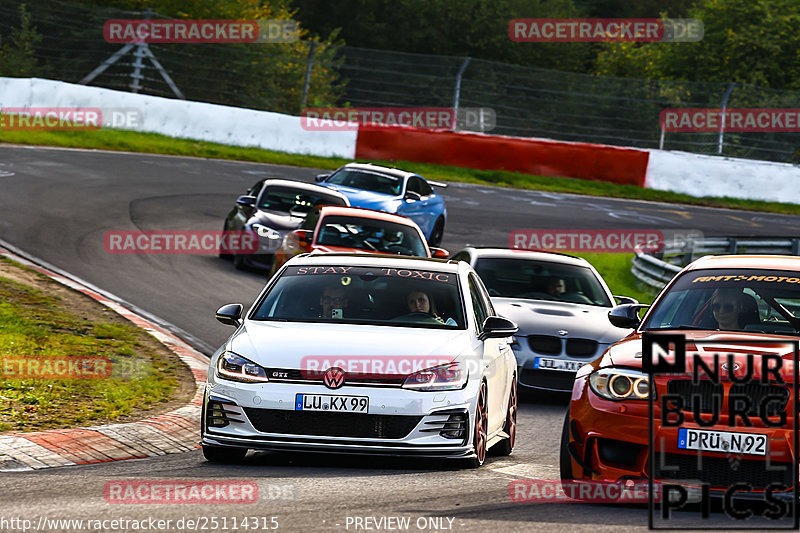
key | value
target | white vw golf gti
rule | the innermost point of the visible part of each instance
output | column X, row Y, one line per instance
column 364, row 354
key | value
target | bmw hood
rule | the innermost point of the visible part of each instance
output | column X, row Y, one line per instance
column 285, row 345
column 367, row 199
column 540, row 317
column 278, row 221
column 706, row 343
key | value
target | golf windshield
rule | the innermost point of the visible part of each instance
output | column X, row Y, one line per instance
column 365, row 295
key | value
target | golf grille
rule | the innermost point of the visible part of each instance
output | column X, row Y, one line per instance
column 326, row 424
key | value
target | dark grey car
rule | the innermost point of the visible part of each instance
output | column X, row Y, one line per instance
column 561, row 305
column 270, row 209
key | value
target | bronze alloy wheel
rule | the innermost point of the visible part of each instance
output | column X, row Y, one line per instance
column 510, row 427
column 480, row 430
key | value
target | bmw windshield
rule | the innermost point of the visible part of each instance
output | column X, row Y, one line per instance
column 365, row 295
column 368, row 181
column 541, row 280
column 296, row 201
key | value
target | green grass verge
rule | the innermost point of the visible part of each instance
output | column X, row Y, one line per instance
column 161, row 144
column 616, row 270
column 40, row 323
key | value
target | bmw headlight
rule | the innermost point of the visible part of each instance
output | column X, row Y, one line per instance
column 236, row 368
column 269, row 238
column 620, row 384
column 266, row 232
column 451, row 376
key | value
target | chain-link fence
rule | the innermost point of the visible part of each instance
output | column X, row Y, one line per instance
column 268, row 76
column 528, row 102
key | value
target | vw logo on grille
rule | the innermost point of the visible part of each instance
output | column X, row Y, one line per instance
column 563, row 332
column 333, row 378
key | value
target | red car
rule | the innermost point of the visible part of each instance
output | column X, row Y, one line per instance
column 744, row 309
column 348, row 229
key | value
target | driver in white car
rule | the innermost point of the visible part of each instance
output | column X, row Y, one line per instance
column 420, row 302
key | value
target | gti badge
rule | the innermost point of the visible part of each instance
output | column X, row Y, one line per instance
column 333, row 377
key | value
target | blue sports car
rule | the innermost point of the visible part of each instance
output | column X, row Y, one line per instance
column 394, row 191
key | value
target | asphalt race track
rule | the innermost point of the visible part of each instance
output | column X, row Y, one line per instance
column 57, row 204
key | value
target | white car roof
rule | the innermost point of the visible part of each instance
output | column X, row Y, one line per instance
column 368, row 260
column 506, row 253
column 377, row 168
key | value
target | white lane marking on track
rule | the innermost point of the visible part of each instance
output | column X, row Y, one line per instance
column 528, row 471
column 6, row 173
column 628, row 215
column 774, row 220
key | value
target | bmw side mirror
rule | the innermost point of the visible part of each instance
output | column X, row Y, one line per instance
column 303, row 236
column 439, row 253
column 413, row 196
column 497, row 327
column 626, row 315
column 230, row 315
column 246, row 201
column 321, row 177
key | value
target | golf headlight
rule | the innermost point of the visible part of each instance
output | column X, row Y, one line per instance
column 451, row 376
column 236, row 368
column 620, row 384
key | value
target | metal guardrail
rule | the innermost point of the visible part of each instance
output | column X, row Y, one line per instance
column 657, row 269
